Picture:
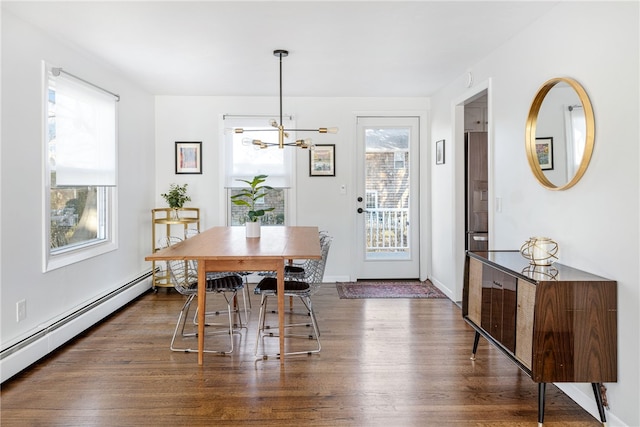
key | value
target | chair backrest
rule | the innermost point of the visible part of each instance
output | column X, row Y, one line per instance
column 183, row 277
column 314, row 268
column 167, row 241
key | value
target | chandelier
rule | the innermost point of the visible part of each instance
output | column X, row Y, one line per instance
column 283, row 133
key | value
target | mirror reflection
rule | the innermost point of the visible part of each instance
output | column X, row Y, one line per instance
column 560, row 133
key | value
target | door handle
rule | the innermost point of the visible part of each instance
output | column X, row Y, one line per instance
column 360, row 210
column 480, row 238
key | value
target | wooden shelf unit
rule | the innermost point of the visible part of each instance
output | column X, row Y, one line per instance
column 557, row 323
column 165, row 219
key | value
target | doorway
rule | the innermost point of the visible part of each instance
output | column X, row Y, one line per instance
column 387, row 225
column 476, row 169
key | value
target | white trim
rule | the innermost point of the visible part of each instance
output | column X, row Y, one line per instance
column 457, row 156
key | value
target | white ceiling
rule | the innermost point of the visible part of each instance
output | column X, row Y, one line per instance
column 337, row 48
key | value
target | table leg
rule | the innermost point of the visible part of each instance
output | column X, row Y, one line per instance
column 202, row 304
column 280, row 291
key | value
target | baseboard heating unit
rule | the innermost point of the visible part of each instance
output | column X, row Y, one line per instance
column 29, row 350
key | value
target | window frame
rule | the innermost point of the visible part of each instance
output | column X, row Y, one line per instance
column 54, row 258
column 228, row 123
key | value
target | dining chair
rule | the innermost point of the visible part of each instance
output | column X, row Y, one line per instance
column 184, row 278
column 303, row 284
column 246, row 297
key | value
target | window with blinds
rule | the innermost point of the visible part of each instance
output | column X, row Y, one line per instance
column 80, row 170
column 245, row 160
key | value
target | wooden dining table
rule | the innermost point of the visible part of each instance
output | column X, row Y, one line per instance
column 221, row 249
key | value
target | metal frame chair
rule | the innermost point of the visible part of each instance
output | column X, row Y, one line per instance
column 246, row 298
column 185, row 280
column 303, row 284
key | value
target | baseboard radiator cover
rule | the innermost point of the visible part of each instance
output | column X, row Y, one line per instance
column 29, row 350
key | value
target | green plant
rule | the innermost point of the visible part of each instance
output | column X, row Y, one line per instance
column 176, row 196
column 249, row 196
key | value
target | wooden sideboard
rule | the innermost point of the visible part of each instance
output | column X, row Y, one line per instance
column 557, row 323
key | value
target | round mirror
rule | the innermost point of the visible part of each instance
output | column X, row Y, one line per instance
column 560, row 133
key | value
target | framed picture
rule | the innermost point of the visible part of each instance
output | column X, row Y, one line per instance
column 544, row 151
column 322, row 160
column 188, row 157
column 440, row 152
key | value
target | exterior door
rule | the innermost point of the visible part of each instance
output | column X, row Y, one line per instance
column 387, row 198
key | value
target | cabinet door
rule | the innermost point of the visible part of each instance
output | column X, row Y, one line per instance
column 509, row 303
column 474, row 118
column 526, row 298
column 487, row 285
column 475, row 291
column 499, row 306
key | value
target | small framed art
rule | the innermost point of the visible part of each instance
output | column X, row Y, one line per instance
column 440, row 152
column 322, row 160
column 188, row 157
column 544, row 151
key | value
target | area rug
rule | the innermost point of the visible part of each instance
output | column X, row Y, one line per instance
column 388, row 289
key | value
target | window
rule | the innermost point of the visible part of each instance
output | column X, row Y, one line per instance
column 244, row 161
column 80, row 170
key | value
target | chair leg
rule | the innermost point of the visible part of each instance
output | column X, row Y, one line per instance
column 314, row 324
column 182, row 318
column 261, row 317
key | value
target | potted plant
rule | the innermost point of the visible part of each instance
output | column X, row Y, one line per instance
column 176, row 197
column 248, row 197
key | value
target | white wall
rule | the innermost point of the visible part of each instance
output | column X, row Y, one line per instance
column 50, row 295
column 319, row 201
column 596, row 222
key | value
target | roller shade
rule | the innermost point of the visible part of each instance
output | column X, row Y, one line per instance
column 86, row 149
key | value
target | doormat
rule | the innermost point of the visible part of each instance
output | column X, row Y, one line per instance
column 388, row 289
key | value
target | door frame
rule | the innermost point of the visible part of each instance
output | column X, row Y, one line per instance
column 424, row 206
column 459, row 203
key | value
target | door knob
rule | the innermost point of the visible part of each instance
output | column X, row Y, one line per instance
column 360, row 210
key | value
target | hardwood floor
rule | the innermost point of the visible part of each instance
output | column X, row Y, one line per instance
column 393, row 362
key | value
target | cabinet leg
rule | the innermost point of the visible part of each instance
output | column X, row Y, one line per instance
column 476, row 340
column 598, row 396
column 541, row 390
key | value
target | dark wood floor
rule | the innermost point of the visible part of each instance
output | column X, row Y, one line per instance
column 383, row 363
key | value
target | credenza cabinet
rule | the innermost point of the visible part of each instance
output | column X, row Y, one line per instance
column 557, row 323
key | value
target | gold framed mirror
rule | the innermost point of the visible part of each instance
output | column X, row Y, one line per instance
column 560, row 133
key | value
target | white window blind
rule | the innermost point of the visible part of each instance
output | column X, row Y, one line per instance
column 85, row 134
column 244, row 161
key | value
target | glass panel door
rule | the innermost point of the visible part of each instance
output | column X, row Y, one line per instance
column 387, row 197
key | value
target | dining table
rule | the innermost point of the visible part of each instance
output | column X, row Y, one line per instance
column 226, row 248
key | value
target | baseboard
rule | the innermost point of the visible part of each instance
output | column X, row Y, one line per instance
column 22, row 355
column 587, row 402
column 445, row 290
column 334, row 279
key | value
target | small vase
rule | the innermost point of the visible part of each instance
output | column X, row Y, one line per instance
column 253, row 229
column 175, row 214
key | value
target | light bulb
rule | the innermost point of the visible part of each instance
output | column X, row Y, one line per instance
column 328, row 130
column 304, row 143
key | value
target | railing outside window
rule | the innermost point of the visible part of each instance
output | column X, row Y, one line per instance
column 387, row 229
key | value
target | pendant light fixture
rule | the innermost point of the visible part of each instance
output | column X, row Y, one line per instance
column 283, row 133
